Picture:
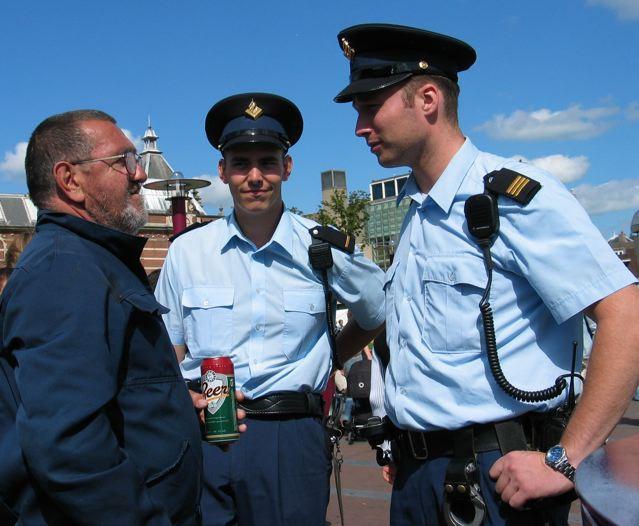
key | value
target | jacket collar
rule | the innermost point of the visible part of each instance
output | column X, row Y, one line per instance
column 125, row 247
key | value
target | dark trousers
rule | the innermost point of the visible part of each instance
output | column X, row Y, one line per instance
column 277, row 473
column 418, row 496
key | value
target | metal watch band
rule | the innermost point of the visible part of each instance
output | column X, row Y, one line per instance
column 566, row 469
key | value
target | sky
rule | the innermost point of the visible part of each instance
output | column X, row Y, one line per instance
column 555, row 83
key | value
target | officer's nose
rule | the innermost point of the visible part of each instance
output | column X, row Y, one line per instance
column 255, row 176
column 362, row 127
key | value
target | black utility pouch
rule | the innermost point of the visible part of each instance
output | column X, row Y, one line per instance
column 553, row 427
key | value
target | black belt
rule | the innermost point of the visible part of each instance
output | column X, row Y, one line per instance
column 285, row 403
column 433, row 444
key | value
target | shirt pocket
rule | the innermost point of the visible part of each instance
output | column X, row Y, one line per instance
column 304, row 315
column 208, row 320
column 453, row 287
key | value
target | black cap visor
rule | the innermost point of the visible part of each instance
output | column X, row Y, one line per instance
column 368, row 85
column 255, row 138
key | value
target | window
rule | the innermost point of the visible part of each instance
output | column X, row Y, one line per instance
column 377, row 191
column 389, row 188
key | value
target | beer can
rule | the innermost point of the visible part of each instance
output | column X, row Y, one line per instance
column 218, row 388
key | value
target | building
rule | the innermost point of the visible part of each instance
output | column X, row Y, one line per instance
column 386, row 217
column 332, row 180
column 18, row 214
column 627, row 247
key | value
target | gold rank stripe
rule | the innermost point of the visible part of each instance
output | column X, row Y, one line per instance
column 517, row 185
column 348, row 240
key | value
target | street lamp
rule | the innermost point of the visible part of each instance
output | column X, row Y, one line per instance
column 177, row 189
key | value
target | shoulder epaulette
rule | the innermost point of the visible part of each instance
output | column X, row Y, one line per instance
column 334, row 237
column 512, row 184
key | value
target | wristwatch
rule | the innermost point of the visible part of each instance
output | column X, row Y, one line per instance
column 556, row 459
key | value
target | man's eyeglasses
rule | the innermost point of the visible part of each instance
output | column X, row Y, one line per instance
column 131, row 161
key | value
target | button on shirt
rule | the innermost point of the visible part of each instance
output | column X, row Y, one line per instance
column 550, row 263
column 263, row 307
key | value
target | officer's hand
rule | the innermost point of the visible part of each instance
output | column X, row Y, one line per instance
column 241, row 414
column 199, row 402
column 388, row 472
column 523, row 476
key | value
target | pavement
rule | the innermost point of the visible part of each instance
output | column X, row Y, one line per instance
column 366, row 496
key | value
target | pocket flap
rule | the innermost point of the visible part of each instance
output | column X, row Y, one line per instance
column 208, row 297
column 454, row 270
column 309, row 301
column 145, row 302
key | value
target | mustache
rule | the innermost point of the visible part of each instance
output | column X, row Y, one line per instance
column 135, row 188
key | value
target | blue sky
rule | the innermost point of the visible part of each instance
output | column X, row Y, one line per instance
column 556, row 82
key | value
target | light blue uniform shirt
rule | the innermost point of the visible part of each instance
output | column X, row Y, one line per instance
column 550, row 263
column 263, row 307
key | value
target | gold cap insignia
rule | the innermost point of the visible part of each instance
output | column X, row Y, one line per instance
column 349, row 52
column 253, row 110
column 423, row 64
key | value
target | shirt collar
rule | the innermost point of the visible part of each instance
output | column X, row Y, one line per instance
column 411, row 190
column 282, row 236
column 125, row 247
column 445, row 188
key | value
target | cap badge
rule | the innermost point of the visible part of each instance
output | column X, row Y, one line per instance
column 423, row 64
column 349, row 52
column 253, row 110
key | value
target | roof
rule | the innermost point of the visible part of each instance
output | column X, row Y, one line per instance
column 155, row 165
column 17, row 210
column 157, row 168
column 156, row 201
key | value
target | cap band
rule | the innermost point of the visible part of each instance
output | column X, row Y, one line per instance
column 256, row 133
column 398, row 68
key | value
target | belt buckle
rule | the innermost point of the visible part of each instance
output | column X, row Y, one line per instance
column 416, row 455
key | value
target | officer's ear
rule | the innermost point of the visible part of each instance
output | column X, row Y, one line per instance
column 429, row 98
column 288, row 167
column 221, row 167
column 69, row 181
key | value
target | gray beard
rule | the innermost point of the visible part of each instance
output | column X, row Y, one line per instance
column 129, row 220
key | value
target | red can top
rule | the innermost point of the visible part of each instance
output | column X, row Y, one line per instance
column 221, row 364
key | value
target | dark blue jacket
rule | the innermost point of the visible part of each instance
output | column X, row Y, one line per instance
column 96, row 424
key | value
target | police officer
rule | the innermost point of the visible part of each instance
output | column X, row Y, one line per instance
column 243, row 287
column 549, row 265
column 96, row 425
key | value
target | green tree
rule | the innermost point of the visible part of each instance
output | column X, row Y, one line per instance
column 295, row 210
column 348, row 213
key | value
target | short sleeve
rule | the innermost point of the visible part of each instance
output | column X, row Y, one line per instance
column 560, row 252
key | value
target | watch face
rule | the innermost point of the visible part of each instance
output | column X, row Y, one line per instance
column 555, row 454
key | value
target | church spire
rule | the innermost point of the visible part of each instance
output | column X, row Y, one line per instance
column 150, row 139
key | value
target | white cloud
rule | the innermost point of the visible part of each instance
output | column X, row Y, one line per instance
column 625, row 9
column 566, row 169
column 608, row 197
column 12, row 167
column 215, row 196
column 571, row 123
column 632, row 112
column 136, row 140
